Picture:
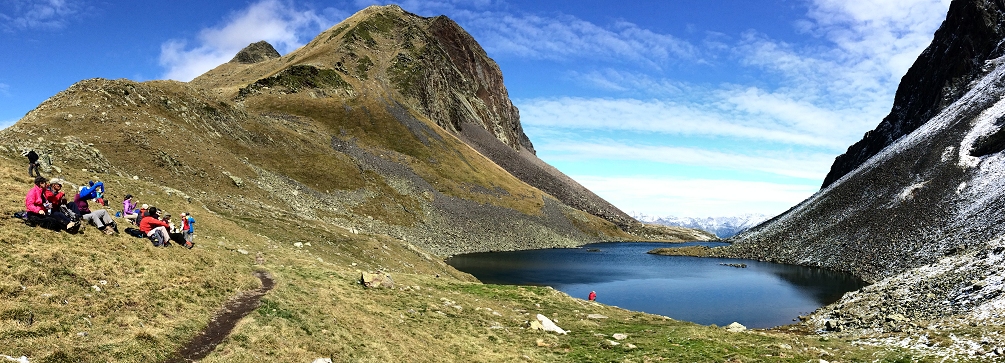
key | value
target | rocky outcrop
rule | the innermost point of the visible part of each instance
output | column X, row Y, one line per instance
column 971, row 34
column 256, row 52
column 924, row 219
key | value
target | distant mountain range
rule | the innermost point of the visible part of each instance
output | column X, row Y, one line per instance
column 723, row 227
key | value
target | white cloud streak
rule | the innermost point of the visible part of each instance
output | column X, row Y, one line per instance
column 737, row 114
column 812, row 166
column 560, row 37
column 275, row 21
column 18, row 15
column 696, row 197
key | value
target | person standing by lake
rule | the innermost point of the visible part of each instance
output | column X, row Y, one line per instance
column 593, row 296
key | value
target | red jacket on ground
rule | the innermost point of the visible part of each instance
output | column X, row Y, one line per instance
column 148, row 223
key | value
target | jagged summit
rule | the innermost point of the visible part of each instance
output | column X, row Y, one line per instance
column 431, row 67
column 256, row 52
column 971, row 34
column 924, row 217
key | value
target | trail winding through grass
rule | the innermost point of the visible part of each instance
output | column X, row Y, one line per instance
column 223, row 322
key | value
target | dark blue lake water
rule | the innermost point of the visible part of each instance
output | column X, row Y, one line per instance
column 694, row 289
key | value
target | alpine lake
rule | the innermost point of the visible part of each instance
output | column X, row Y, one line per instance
column 701, row 290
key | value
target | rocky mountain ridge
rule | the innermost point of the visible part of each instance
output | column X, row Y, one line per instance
column 722, row 227
column 434, row 68
column 970, row 35
column 922, row 219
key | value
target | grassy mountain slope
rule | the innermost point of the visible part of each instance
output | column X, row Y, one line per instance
column 432, row 67
column 150, row 301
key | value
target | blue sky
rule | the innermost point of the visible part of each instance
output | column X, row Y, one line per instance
column 674, row 107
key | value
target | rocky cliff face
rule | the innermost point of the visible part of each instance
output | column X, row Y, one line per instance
column 971, row 34
column 924, row 218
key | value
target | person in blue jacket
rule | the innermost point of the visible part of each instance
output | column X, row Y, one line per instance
column 92, row 190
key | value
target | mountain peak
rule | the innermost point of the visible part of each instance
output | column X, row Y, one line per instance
column 256, row 52
column 970, row 35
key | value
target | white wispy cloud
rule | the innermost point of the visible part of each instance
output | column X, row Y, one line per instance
column 721, row 117
column 558, row 37
column 566, row 37
column 821, row 95
column 869, row 45
column 37, row 14
column 810, row 166
column 278, row 22
column 696, row 197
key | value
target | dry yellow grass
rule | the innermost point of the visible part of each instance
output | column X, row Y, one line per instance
column 153, row 300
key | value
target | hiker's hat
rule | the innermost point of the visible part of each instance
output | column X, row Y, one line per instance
column 56, row 181
column 145, row 206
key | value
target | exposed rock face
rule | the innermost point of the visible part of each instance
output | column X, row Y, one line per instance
column 925, row 217
column 480, row 98
column 971, row 34
column 432, row 67
column 256, row 52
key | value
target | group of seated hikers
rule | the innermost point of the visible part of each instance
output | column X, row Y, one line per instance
column 46, row 206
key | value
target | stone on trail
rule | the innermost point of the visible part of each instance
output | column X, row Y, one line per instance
column 735, row 327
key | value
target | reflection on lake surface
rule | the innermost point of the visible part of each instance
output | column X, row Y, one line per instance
column 685, row 288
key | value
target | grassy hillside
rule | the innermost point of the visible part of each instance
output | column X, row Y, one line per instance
column 150, row 301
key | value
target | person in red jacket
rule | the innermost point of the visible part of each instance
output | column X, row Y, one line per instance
column 593, row 296
column 57, row 206
column 37, row 208
column 155, row 228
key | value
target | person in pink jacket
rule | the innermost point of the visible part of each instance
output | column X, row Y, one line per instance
column 37, row 208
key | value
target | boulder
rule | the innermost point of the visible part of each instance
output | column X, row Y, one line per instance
column 735, row 327
column 376, row 280
column 548, row 325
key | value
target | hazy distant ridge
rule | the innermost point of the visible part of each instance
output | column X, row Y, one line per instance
column 723, row 227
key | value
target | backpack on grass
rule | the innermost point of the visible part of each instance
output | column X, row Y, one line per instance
column 135, row 232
